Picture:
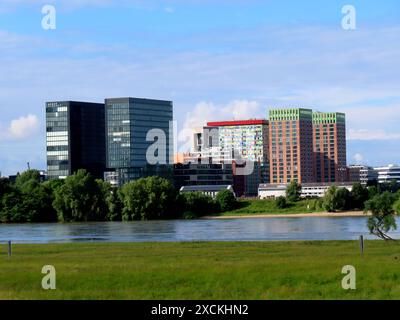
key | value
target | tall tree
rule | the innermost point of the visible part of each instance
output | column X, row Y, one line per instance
column 359, row 194
column 293, row 191
column 336, row 199
column 148, row 198
column 80, row 198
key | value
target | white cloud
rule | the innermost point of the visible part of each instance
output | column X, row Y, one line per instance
column 371, row 134
column 21, row 128
column 169, row 10
column 358, row 158
column 205, row 112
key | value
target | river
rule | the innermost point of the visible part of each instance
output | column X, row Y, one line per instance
column 250, row 229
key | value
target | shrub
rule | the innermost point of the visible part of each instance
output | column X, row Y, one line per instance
column 281, row 202
column 226, row 200
column 199, row 204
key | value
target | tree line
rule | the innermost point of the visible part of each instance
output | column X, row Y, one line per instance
column 380, row 201
column 81, row 198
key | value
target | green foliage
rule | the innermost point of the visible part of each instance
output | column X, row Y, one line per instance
column 372, row 191
column 80, row 198
column 336, row 199
column 293, row 191
column 316, row 204
column 199, row 204
column 148, row 198
column 383, row 208
column 359, row 194
column 27, row 201
column 281, row 202
column 226, row 200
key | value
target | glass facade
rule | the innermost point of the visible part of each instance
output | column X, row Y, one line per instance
column 128, row 122
column 75, row 138
column 57, row 139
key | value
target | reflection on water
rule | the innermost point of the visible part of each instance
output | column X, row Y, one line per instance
column 312, row 228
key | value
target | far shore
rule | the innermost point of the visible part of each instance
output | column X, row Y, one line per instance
column 294, row 215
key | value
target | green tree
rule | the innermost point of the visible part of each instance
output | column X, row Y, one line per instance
column 336, row 199
column 281, row 202
column 293, row 191
column 5, row 188
column 359, row 194
column 80, row 198
column 27, row 200
column 11, row 209
column 148, row 198
column 111, row 202
column 373, row 191
column 226, row 200
column 383, row 209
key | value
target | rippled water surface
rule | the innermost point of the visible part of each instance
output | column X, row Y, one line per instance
column 311, row 228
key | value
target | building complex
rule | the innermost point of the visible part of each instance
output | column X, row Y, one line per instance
column 125, row 139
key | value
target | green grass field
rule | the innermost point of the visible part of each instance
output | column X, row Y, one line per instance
column 257, row 206
column 238, row 270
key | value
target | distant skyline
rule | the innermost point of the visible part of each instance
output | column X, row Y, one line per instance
column 216, row 60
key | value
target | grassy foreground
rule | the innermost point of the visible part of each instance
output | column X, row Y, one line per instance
column 239, row 270
column 268, row 206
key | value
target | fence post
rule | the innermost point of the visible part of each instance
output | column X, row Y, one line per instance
column 362, row 244
column 9, row 249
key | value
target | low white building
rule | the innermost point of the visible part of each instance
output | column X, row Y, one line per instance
column 308, row 190
column 388, row 173
column 209, row 190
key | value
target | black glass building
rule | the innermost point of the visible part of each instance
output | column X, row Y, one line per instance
column 131, row 125
column 75, row 138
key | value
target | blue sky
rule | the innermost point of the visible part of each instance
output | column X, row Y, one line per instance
column 216, row 59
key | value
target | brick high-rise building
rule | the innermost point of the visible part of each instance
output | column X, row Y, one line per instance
column 330, row 146
column 291, row 145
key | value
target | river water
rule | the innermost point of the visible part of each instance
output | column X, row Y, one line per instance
column 250, row 229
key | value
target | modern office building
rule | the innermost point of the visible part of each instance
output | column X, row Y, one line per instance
column 388, row 173
column 133, row 126
column 329, row 135
column 75, row 138
column 291, row 145
column 364, row 174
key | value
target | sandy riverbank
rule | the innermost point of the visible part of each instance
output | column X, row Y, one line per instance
column 300, row 215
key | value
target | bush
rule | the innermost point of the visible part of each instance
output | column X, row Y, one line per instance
column 281, row 202
column 226, row 200
column 199, row 204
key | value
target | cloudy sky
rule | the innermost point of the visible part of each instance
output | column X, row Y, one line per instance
column 216, row 59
